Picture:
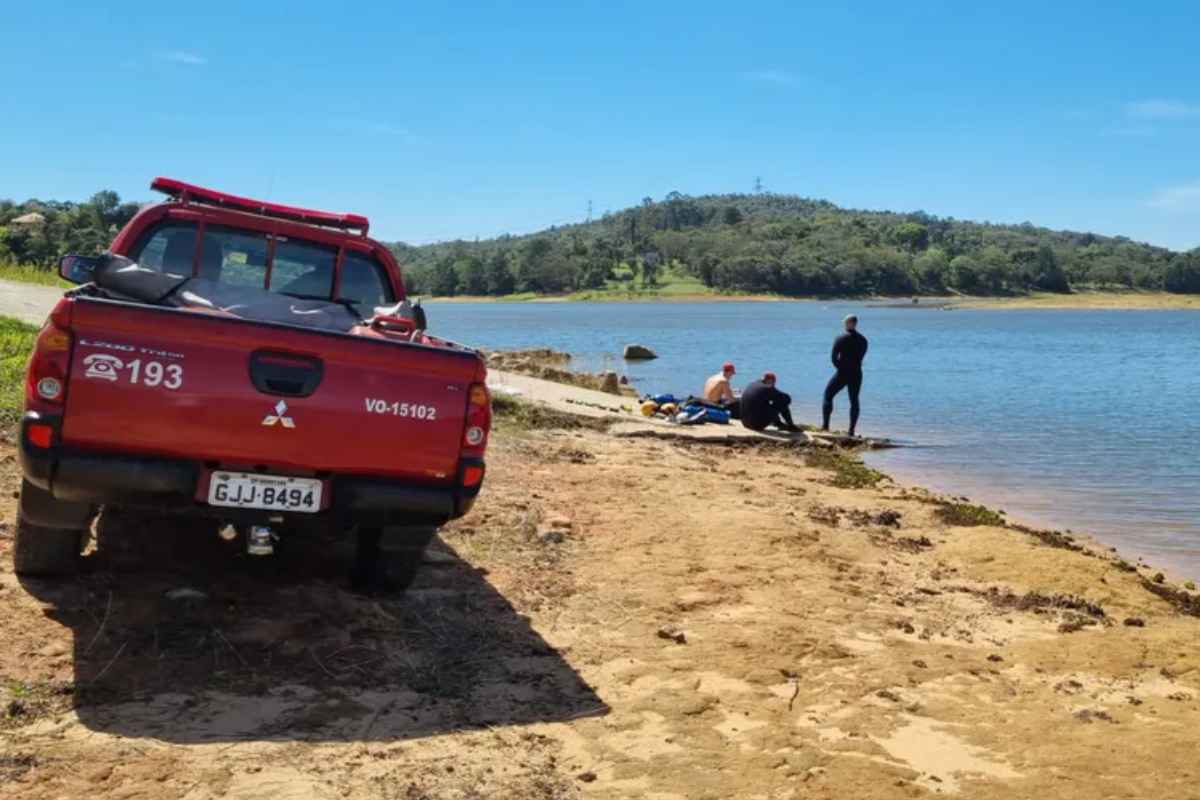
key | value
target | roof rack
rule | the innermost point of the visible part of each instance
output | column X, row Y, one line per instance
column 190, row 193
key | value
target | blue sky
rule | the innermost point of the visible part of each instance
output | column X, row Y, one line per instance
column 507, row 117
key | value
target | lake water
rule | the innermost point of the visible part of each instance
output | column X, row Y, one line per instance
column 1088, row 420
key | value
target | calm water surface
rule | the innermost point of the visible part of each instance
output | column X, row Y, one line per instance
column 1087, row 420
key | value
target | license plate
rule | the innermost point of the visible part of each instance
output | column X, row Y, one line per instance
column 271, row 492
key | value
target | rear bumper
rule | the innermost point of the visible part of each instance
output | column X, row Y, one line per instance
column 74, row 476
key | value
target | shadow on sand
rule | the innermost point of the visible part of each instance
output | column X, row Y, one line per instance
column 204, row 644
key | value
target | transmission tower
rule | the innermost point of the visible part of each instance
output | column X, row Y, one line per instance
column 758, row 185
column 589, row 216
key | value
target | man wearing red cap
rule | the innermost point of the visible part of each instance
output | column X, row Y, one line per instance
column 763, row 405
column 717, row 389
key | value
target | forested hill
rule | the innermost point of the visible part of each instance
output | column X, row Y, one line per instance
column 737, row 243
column 793, row 246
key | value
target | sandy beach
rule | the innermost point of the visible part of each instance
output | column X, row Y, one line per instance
column 620, row 617
column 1128, row 300
column 1115, row 300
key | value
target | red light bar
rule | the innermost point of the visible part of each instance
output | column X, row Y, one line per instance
column 187, row 192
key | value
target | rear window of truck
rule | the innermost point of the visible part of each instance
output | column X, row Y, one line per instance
column 244, row 258
column 169, row 248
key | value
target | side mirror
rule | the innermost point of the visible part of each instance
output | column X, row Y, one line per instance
column 77, row 269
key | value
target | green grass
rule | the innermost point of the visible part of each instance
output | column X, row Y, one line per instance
column 19, row 690
column 16, row 340
column 518, row 297
column 672, row 283
column 849, row 472
column 26, row 273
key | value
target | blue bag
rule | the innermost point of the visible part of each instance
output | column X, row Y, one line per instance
column 717, row 415
column 711, row 414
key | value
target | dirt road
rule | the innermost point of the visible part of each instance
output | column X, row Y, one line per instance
column 617, row 619
column 27, row 302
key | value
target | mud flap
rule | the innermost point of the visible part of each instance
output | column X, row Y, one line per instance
column 41, row 508
column 386, row 559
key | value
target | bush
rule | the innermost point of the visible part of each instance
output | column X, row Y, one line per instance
column 16, row 342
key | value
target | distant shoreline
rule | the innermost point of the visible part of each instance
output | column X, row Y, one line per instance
column 1097, row 300
column 1129, row 299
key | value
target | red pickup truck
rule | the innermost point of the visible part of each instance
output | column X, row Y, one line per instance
column 255, row 364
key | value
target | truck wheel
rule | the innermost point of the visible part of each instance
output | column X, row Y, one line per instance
column 387, row 559
column 39, row 551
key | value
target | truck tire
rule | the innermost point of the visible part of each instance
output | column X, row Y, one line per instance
column 43, row 552
column 388, row 559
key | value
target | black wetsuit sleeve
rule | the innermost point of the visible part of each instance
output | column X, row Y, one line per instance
column 836, row 354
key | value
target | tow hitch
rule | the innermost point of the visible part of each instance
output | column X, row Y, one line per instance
column 260, row 540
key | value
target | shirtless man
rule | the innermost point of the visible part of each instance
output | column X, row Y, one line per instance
column 717, row 389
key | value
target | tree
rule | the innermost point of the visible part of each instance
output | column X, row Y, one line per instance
column 993, row 269
column 471, row 277
column 595, row 272
column 672, row 245
column 911, row 235
column 498, row 278
column 706, row 269
column 964, row 273
column 1183, row 275
column 803, row 273
column 932, row 269
column 445, row 279
column 102, row 208
column 651, row 263
column 1048, row 275
column 529, row 271
column 746, row 274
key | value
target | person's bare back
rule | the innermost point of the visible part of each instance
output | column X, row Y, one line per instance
column 717, row 388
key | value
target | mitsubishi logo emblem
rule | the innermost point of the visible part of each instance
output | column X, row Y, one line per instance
column 279, row 417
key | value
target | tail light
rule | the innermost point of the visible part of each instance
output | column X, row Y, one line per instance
column 479, row 421
column 46, row 378
column 40, row 434
column 472, row 476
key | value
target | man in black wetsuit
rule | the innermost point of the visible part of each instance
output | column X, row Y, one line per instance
column 849, row 350
column 763, row 405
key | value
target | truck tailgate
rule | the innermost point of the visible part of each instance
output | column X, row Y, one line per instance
column 235, row 392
